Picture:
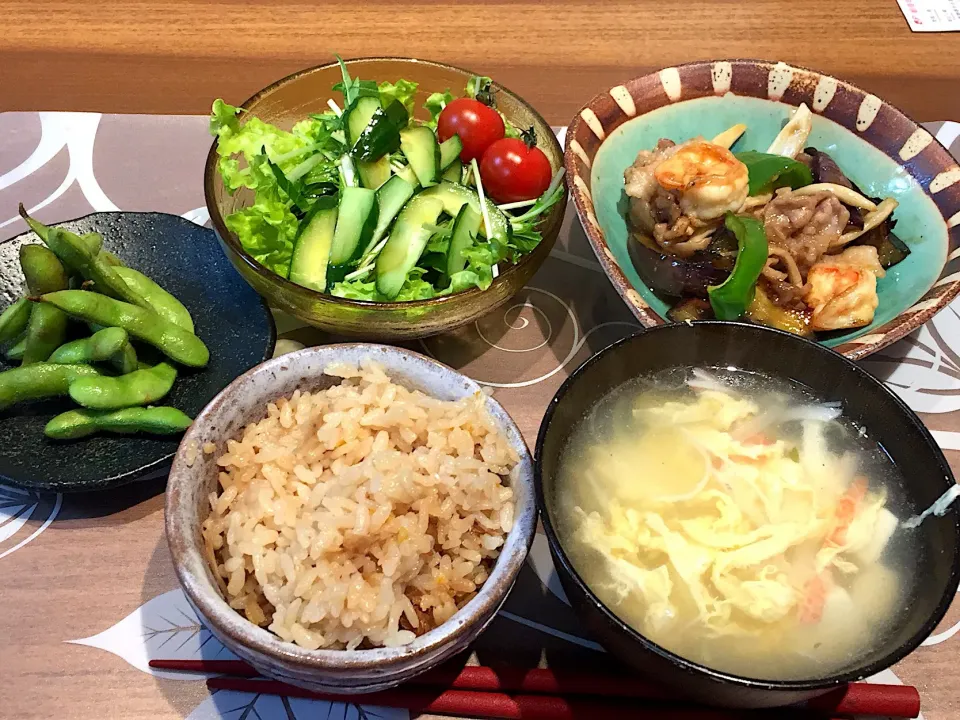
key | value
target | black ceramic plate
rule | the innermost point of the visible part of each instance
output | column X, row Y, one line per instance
column 230, row 318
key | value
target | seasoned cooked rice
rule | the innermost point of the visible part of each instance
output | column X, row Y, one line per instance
column 361, row 515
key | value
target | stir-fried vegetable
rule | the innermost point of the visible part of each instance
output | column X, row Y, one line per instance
column 768, row 172
column 731, row 298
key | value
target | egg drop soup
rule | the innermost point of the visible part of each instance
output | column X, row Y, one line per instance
column 736, row 522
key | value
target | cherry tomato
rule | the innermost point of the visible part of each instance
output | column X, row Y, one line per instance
column 475, row 123
column 513, row 171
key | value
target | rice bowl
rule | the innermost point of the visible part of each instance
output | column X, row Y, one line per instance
column 365, row 513
column 195, row 475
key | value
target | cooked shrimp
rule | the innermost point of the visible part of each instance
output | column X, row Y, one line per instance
column 708, row 178
column 843, row 289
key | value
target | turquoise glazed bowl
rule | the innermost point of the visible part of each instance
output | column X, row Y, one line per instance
column 880, row 148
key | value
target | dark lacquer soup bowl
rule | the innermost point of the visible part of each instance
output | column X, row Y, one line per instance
column 827, row 376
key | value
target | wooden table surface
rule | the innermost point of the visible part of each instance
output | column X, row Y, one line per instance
column 175, row 56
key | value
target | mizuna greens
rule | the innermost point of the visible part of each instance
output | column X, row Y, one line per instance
column 364, row 202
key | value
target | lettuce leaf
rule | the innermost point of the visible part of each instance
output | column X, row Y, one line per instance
column 403, row 91
column 435, row 104
column 355, row 290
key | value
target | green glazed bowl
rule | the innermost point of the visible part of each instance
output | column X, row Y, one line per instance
column 294, row 98
column 880, row 148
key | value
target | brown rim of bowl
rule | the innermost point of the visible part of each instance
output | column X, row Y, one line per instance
column 219, row 615
column 210, row 168
column 899, row 327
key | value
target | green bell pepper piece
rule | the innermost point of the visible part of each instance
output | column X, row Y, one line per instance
column 731, row 298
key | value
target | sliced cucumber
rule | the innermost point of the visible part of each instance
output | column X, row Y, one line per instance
column 406, row 244
column 391, row 197
column 454, row 173
column 410, row 176
column 465, row 229
column 422, row 151
column 374, row 174
column 358, row 116
column 453, row 198
column 311, row 254
column 356, row 222
column 450, row 150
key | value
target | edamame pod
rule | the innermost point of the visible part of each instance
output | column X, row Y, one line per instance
column 111, row 259
column 39, row 380
column 165, row 304
column 42, row 270
column 125, row 361
column 16, row 351
column 45, row 333
column 92, row 241
column 47, row 326
column 141, row 387
column 14, row 319
column 99, row 347
column 75, row 424
column 172, row 340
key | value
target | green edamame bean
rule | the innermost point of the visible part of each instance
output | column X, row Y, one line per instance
column 74, row 252
column 172, row 340
column 141, row 387
column 46, row 328
column 75, row 424
column 45, row 333
column 42, row 270
column 16, row 351
column 165, row 304
column 111, row 259
column 39, row 380
column 125, row 361
column 99, row 347
column 92, row 241
column 14, row 319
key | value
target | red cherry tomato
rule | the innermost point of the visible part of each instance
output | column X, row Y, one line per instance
column 512, row 171
column 476, row 124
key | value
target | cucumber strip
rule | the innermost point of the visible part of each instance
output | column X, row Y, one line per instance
column 382, row 135
column 374, row 174
column 391, row 197
column 356, row 221
column 358, row 116
column 450, row 150
column 454, row 173
column 453, row 198
column 465, row 229
column 406, row 244
column 409, row 175
column 422, row 151
column 311, row 254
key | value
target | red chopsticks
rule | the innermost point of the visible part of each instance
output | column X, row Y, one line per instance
column 537, row 694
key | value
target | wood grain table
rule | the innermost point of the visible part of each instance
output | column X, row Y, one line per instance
column 96, row 567
column 175, row 56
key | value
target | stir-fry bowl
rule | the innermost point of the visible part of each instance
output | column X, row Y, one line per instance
column 934, row 573
column 297, row 96
column 881, row 149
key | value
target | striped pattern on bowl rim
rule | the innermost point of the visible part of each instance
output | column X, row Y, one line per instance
column 877, row 122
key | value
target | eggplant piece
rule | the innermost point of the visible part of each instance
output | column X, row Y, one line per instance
column 671, row 276
column 826, row 170
column 690, row 309
column 890, row 248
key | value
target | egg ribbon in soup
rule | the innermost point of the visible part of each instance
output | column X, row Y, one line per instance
column 724, row 536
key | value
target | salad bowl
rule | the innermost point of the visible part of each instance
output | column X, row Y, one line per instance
column 886, row 153
column 307, row 92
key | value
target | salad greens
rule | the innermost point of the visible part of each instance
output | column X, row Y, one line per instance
column 345, row 182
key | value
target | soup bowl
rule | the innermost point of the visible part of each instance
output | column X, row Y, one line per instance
column 885, row 152
column 829, row 377
column 194, row 476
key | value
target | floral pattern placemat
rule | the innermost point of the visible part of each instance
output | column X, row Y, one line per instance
column 88, row 592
